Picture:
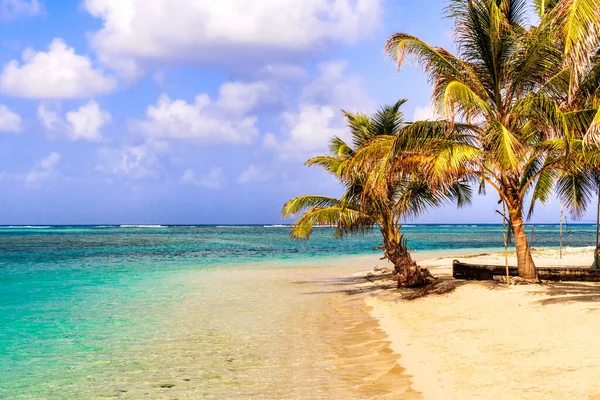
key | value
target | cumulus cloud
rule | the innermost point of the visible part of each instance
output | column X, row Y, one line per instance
column 210, row 180
column 207, row 121
column 87, row 121
column 49, row 119
column 58, row 73
column 335, row 85
column 10, row 9
column 84, row 123
column 223, row 31
column 133, row 161
column 254, row 174
column 10, row 121
column 424, row 113
column 270, row 141
column 307, row 130
column 241, row 97
column 45, row 169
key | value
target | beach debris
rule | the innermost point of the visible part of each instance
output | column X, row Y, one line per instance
column 515, row 280
column 382, row 268
column 166, row 385
column 379, row 270
column 472, row 255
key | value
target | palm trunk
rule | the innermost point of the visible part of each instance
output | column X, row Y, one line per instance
column 408, row 273
column 525, row 264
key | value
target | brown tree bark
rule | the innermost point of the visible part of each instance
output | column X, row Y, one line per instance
column 525, row 263
column 408, row 273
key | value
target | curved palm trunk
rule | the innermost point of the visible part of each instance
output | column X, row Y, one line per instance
column 408, row 273
column 525, row 264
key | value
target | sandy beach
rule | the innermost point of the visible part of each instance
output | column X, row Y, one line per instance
column 484, row 340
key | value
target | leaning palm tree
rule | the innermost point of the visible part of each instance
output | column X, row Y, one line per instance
column 503, row 80
column 404, row 193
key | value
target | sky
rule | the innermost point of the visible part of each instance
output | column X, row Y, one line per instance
column 196, row 111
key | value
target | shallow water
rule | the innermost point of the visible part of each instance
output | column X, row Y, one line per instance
column 198, row 312
column 222, row 333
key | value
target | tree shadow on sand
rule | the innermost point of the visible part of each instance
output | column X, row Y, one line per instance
column 369, row 283
column 569, row 292
column 553, row 292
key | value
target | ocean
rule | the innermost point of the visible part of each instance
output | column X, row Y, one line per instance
column 192, row 311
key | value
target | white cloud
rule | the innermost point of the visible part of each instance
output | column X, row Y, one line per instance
column 225, row 120
column 335, row 85
column 10, row 9
column 9, row 120
column 307, row 130
column 254, row 174
column 241, row 97
column 210, row 180
column 223, row 31
column 87, row 121
column 134, row 162
column 49, row 118
column 424, row 113
column 57, row 73
column 84, row 123
column 279, row 71
column 45, row 169
column 270, row 141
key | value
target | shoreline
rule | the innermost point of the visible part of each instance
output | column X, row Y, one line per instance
column 473, row 340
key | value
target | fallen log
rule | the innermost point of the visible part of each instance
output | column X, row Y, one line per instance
column 486, row 272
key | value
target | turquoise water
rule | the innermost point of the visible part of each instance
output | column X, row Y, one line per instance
column 79, row 306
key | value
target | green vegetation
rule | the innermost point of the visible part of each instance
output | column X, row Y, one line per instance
column 520, row 114
column 402, row 192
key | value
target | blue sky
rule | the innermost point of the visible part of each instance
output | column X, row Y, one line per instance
column 194, row 111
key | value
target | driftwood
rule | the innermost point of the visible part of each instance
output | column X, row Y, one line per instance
column 487, row 272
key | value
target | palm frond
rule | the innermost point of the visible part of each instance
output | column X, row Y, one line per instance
column 579, row 22
column 575, row 188
column 593, row 133
column 345, row 219
column 300, row 203
column 542, row 190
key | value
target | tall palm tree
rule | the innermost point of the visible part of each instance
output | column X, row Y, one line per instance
column 505, row 78
column 404, row 192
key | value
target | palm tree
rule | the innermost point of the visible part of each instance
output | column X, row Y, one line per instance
column 404, row 192
column 569, row 103
column 504, row 80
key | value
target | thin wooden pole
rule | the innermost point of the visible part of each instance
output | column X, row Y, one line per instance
column 595, row 265
column 561, row 231
column 598, row 220
column 505, row 246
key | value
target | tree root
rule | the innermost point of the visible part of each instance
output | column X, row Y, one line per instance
column 412, row 276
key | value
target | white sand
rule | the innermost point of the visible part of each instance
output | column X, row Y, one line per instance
column 484, row 340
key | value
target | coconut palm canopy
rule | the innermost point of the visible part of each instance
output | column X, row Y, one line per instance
column 527, row 96
column 402, row 192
